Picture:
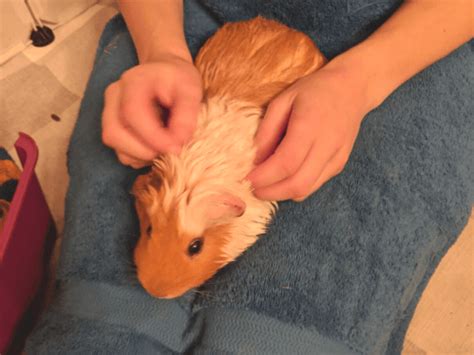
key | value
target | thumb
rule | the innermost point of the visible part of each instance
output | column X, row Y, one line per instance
column 184, row 110
column 183, row 118
column 272, row 127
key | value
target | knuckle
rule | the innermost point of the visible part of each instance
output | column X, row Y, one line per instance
column 275, row 104
column 300, row 199
column 136, row 165
column 127, row 110
column 128, row 75
column 110, row 90
column 341, row 165
column 107, row 137
column 125, row 76
column 272, row 104
column 299, row 191
column 124, row 159
column 287, row 166
column 134, row 75
column 287, row 161
column 340, row 168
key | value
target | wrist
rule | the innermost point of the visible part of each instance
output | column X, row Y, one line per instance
column 160, row 50
column 167, row 42
column 363, row 73
column 157, row 54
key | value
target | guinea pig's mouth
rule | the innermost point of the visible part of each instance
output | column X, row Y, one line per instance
column 159, row 293
column 167, row 296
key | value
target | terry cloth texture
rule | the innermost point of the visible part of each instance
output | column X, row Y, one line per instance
column 339, row 273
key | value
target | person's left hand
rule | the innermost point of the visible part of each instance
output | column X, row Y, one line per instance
column 308, row 133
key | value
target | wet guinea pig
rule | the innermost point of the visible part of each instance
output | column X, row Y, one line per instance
column 197, row 212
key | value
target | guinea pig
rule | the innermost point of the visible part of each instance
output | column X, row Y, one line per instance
column 197, row 212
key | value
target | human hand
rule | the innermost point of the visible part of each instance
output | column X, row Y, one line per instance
column 319, row 118
column 132, row 122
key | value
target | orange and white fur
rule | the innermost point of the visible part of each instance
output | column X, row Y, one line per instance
column 199, row 199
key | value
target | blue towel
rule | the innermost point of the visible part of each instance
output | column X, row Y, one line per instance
column 340, row 273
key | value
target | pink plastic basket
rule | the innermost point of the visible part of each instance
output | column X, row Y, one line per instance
column 28, row 229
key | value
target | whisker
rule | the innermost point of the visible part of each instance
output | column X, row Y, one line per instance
column 204, row 294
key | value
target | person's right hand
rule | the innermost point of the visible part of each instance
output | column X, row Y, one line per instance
column 132, row 122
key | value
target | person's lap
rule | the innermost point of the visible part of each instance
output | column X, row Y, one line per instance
column 349, row 261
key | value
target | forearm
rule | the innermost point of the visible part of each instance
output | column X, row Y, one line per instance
column 417, row 35
column 156, row 27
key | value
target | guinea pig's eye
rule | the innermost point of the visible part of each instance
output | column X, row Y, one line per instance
column 195, row 246
column 148, row 231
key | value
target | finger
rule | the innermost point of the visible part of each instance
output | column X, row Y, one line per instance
column 139, row 113
column 131, row 161
column 272, row 127
column 287, row 158
column 302, row 181
column 183, row 117
column 116, row 136
column 331, row 170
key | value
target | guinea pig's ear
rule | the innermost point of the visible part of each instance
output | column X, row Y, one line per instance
column 218, row 208
column 142, row 183
column 145, row 197
column 139, row 185
column 154, row 180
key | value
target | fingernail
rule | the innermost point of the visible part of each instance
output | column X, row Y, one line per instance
column 251, row 177
column 250, row 174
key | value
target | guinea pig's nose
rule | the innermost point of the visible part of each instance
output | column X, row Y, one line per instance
column 165, row 295
column 168, row 297
column 153, row 288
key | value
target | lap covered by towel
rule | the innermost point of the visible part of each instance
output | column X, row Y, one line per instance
column 339, row 273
